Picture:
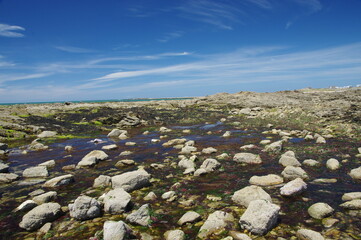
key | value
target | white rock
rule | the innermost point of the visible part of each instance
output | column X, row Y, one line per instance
column 289, row 161
column 110, row 147
column 59, row 181
column 209, row 150
column 310, row 163
column 116, row 133
column 47, row 134
column 249, row 158
column 85, row 208
column 356, row 173
column 116, row 201
column 214, row 223
column 333, row 164
column 151, row 196
column 189, row 217
column 45, row 197
column 267, row 180
column 26, row 206
column 351, row 196
column 248, row 194
column 174, row 235
column 168, row 195
column 116, row 230
column 210, row 165
column 102, row 181
column 130, row 181
column 48, row 164
column 39, row 171
column 293, row 187
column 291, row 173
column 306, row 234
column 320, row 210
column 8, row 177
column 352, row 205
column 92, row 158
column 141, row 216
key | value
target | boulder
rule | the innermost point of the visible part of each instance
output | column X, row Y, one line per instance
column 26, row 206
column 306, row 234
column 40, row 215
column 320, row 210
column 247, row 158
column 215, row 222
column 248, row 194
column 174, row 235
column 8, row 177
column 209, row 150
column 102, row 181
column 289, row 161
column 141, row 216
column 333, row 164
column 352, row 205
column 4, row 168
column 47, row 134
column 92, row 158
column 45, row 197
column 351, row 196
column 59, row 181
column 116, row 230
column 85, row 208
column 116, row 201
column 189, row 217
column 130, row 181
column 260, row 217
column 267, row 180
column 39, row 171
column 186, row 163
column 274, row 147
column 48, row 164
column 293, row 187
column 200, row 171
column 356, row 173
column 291, row 173
column 210, row 164
column 188, row 150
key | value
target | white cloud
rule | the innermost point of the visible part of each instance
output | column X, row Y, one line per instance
column 170, row 36
column 71, row 49
column 261, row 3
column 11, row 31
column 313, row 5
column 17, row 77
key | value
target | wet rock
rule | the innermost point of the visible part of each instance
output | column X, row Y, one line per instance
column 130, row 144
column 36, row 146
column 130, row 181
column 306, row 234
column 68, row 148
column 210, row 165
column 40, row 215
column 102, row 181
column 239, row 236
column 274, row 147
column 151, row 196
column 356, row 173
column 215, row 222
column 293, row 187
column 110, row 147
column 189, row 217
column 47, row 134
column 168, row 195
column 174, row 235
column 4, row 168
column 36, row 192
column 248, row 194
column 287, row 160
column 39, row 171
column 116, row 201
column 85, row 208
column 59, row 181
column 115, row 133
column 333, row 164
column 45, row 197
column 351, row 196
column 291, row 173
column 48, row 164
column 260, row 217
column 116, row 230
column 265, row 142
column 209, row 150
column 310, row 163
column 320, row 210
column 124, row 163
column 141, row 216
column 329, row 222
column 267, row 180
column 8, row 177
column 26, row 206
column 352, row 205
column 249, row 158
column 130, row 120
column 92, row 158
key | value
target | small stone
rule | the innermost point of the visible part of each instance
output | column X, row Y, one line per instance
column 168, row 195
column 199, row 172
column 209, row 150
column 110, row 147
column 130, row 143
column 306, row 234
column 125, row 153
column 48, row 164
column 130, row 181
column 116, row 201
column 68, row 148
column 125, row 163
column 8, row 177
column 4, row 168
column 291, row 173
column 310, row 163
column 85, row 208
column 102, row 181
column 227, row 134
column 320, row 210
column 116, row 230
column 189, row 217
column 210, row 164
column 47, row 134
column 26, row 206
column 59, row 181
column 356, row 173
column 333, row 164
column 321, row 140
column 267, row 180
column 239, row 236
column 249, row 158
column 151, row 196
column 174, row 235
column 214, row 223
column 289, row 161
column 45, row 197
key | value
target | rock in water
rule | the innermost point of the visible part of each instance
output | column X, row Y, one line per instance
column 289, row 161
column 352, row 205
column 4, row 168
column 210, row 164
column 47, row 134
column 249, row 158
column 260, row 217
column 333, row 164
column 356, row 173
column 8, row 177
column 215, row 222
column 267, row 180
column 130, row 181
column 40, row 215
column 85, row 208
column 248, row 194
column 306, row 234
column 294, row 187
column 116, row 201
column 39, row 171
column 320, row 210
column 116, row 230
column 102, row 181
column 45, row 197
column 141, row 216
column 189, row 217
column 92, row 158
column 59, row 181
column 291, row 173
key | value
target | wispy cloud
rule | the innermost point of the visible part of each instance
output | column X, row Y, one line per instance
column 17, row 77
column 7, row 30
column 71, row 49
column 170, row 36
column 313, row 5
column 261, row 3
column 4, row 63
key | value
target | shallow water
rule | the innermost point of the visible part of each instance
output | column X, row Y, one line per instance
column 223, row 183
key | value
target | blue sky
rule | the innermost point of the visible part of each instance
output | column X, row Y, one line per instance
column 53, row 50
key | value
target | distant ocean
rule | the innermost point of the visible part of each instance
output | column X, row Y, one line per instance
column 100, row 101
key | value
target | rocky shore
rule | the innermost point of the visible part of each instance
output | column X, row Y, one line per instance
column 283, row 165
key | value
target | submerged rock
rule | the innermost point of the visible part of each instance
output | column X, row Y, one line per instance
column 116, row 230
column 40, row 215
column 249, row 158
column 215, row 222
column 248, row 194
column 116, row 201
column 260, row 217
column 85, row 208
column 130, row 181
column 141, row 216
